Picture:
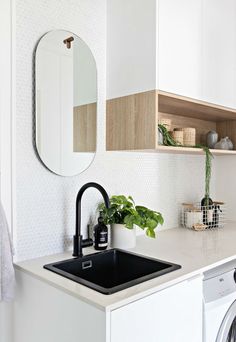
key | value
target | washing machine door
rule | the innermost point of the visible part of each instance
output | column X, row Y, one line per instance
column 227, row 332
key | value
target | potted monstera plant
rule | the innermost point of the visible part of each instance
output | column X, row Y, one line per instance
column 123, row 216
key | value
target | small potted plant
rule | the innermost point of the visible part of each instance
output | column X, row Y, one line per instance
column 123, row 215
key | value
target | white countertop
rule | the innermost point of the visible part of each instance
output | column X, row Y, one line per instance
column 196, row 252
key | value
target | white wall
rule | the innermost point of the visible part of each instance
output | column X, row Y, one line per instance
column 6, row 143
column 226, row 184
column 45, row 202
column 6, row 109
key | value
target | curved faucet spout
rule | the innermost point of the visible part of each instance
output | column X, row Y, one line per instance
column 78, row 241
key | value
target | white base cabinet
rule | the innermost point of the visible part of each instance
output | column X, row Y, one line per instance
column 172, row 315
column 45, row 313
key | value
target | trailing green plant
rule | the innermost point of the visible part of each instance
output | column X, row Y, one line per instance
column 208, row 170
column 169, row 141
column 167, row 138
column 123, row 210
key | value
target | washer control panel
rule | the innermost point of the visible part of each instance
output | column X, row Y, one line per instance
column 219, row 286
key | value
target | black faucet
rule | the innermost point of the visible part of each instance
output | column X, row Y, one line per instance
column 78, row 242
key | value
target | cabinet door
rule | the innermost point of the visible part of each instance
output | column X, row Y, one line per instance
column 43, row 313
column 131, row 48
column 219, row 52
column 174, row 314
column 179, row 48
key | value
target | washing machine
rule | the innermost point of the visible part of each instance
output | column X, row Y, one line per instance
column 219, row 292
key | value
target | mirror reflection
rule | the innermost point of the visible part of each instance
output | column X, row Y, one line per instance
column 66, row 103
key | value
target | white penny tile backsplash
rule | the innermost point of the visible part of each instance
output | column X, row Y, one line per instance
column 45, row 202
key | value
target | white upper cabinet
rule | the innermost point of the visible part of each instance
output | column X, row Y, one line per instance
column 219, row 52
column 180, row 33
column 197, row 49
column 131, row 47
column 185, row 47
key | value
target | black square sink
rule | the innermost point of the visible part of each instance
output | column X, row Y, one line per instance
column 112, row 270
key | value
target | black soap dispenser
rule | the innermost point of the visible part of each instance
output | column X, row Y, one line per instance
column 100, row 233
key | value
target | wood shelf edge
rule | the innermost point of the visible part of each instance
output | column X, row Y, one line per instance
column 180, row 150
column 193, row 150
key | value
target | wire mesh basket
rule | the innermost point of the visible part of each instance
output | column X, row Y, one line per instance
column 198, row 217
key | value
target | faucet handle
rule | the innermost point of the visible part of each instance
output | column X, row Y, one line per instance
column 79, row 243
column 87, row 243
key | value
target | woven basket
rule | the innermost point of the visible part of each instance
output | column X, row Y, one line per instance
column 178, row 135
column 189, row 135
column 166, row 123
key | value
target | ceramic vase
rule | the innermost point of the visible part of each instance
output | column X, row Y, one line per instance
column 223, row 144
column 212, row 138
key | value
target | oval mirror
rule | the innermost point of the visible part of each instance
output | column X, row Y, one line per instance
column 66, row 103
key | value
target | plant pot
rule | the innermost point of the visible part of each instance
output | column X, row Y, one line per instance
column 122, row 237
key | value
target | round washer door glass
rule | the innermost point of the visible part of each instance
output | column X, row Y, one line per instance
column 227, row 332
column 232, row 332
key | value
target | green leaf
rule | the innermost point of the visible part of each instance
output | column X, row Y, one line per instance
column 129, row 221
column 150, row 233
column 161, row 219
column 131, row 199
column 150, row 223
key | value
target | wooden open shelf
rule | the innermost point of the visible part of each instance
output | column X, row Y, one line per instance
column 132, row 122
column 187, row 107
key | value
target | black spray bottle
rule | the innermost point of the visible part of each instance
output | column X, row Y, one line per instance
column 100, row 233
